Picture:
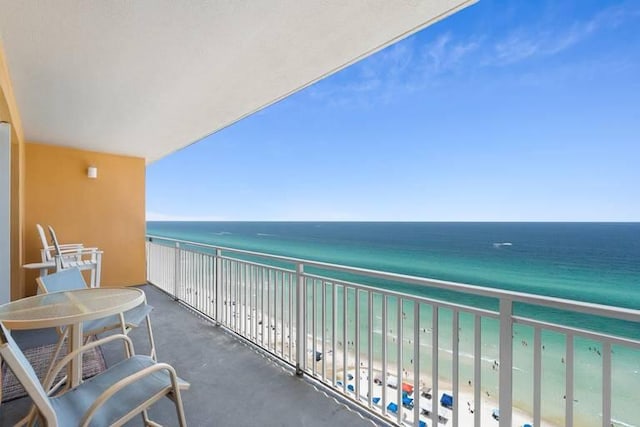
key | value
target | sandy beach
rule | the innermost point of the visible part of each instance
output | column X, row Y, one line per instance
column 466, row 408
column 276, row 340
column 274, row 334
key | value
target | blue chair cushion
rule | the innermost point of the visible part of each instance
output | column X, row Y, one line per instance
column 72, row 405
column 132, row 318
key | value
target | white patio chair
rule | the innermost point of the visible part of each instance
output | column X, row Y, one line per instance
column 65, row 260
column 70, row 279
column 47, row 252
column 110, row 398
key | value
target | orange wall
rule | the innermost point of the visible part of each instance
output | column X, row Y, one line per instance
column 107, row 212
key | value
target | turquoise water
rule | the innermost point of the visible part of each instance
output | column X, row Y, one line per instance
column 592, row 262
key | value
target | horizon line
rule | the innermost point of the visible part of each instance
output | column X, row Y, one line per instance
column 407, row 221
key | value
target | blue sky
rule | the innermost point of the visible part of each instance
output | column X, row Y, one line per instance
column 506, row 111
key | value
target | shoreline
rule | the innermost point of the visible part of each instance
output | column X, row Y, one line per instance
column 466, row 398
column 273, row 341
column 465, row 407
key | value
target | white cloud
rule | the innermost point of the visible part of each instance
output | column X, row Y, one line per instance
column 402, row 68
column 523, row 44
column 445, row 55
column 414, row 64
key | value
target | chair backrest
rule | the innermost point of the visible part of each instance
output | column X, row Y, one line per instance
column 63, row 280
column 23, row 371
column 56, row 245
column 46, row 255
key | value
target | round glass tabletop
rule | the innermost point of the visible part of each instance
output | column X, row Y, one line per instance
column 68, row 307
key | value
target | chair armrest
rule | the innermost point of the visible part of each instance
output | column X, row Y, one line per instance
column 65, row 360
column 70, row 251
column 68, row 246
column 65, row 249
column 109, row 392
column 67, row 257
column 85, row 251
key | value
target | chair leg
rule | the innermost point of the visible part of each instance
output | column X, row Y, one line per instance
column 55, row 355
column 145, row 418
column 29, row 419
column 147, row 421
column 98, row 269
column 152, row 342
column 125, row 331
column 177, row 400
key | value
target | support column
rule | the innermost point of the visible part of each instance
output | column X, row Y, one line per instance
column 5, row 212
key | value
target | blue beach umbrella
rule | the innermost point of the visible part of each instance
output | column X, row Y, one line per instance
column 392, row 407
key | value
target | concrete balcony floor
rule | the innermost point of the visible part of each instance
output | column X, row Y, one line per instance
column 232, row 383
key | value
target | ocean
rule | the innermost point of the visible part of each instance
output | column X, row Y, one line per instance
column 591, row 262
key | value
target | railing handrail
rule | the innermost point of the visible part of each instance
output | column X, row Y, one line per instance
column 614, row 312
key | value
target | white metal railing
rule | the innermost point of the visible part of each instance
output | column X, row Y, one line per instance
column 376, row 345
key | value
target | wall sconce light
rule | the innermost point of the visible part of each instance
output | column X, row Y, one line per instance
column 92, row 172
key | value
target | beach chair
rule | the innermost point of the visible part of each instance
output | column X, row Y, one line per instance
column 72, row 279
column 67, row 259
column 110, row 398
column 495, row 414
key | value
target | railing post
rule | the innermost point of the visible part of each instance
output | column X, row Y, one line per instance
column 217, row 285
column 300, row 317
column 506, row 361
column 176, row 279
column 146, row 257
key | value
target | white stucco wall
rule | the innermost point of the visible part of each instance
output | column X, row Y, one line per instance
column 5, row 210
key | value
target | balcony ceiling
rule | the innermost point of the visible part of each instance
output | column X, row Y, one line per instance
column 147, row 77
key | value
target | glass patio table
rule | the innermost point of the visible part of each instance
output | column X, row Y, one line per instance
column 70, row 309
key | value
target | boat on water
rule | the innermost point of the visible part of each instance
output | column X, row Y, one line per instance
column 501, row 244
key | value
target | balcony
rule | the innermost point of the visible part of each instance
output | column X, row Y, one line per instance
column 232, row 383
column 239, row 326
